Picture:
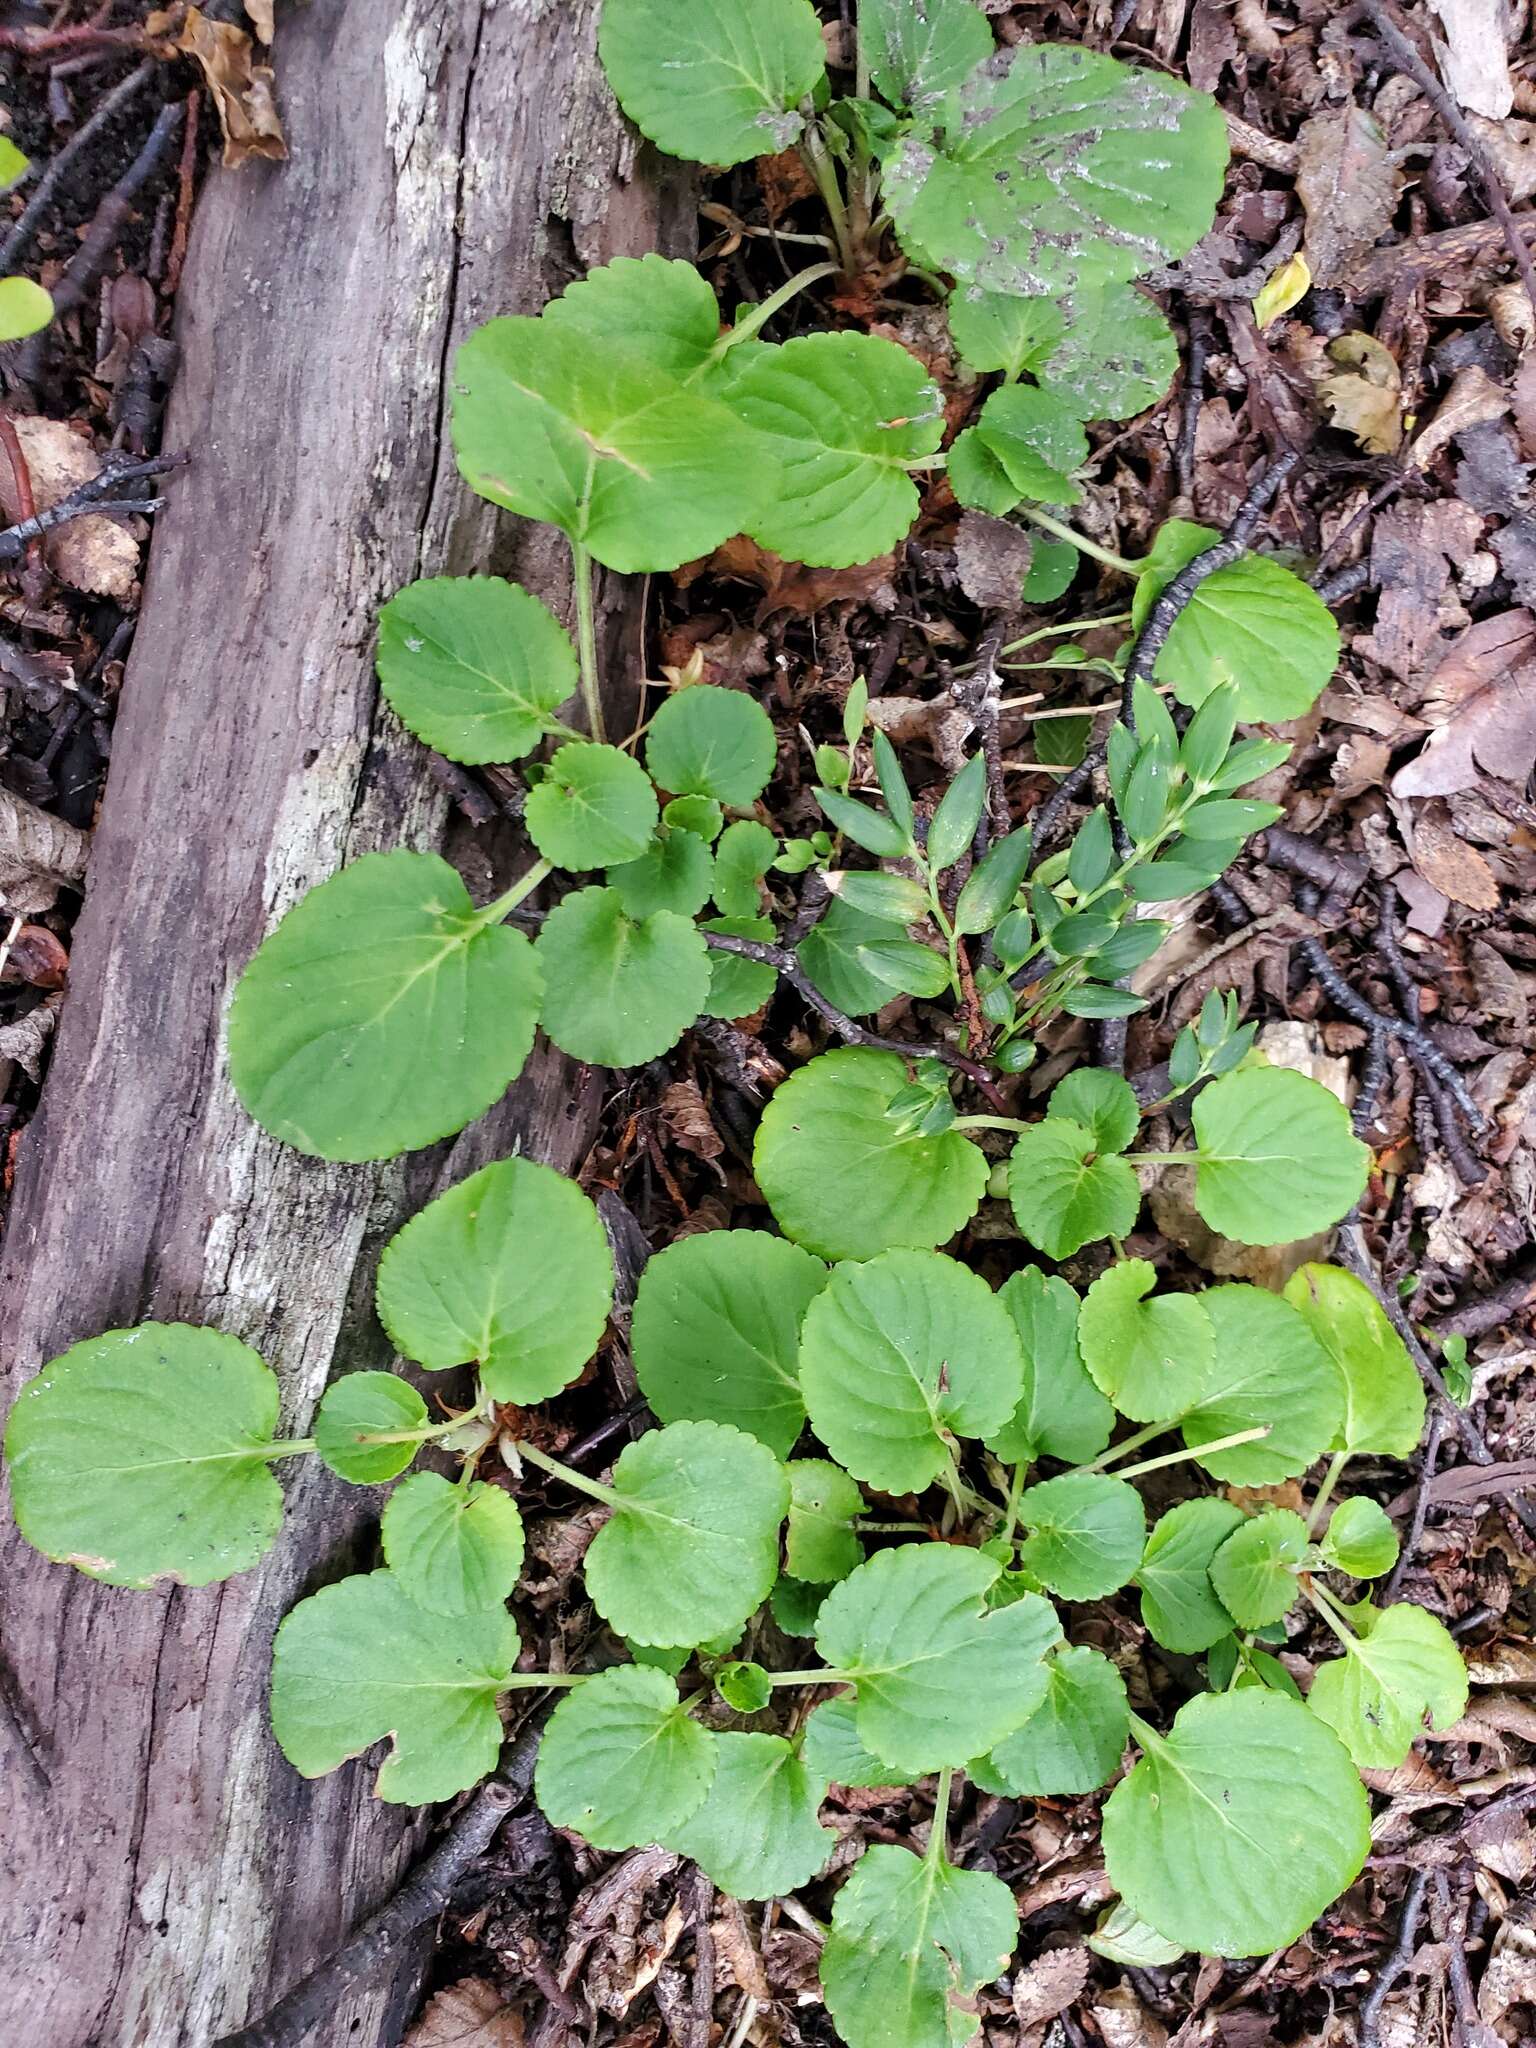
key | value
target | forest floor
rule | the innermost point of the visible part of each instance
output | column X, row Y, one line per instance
column 1385, row 935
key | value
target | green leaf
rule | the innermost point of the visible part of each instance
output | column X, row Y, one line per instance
column 14, row 164
column 1074, row 1739
column 1278, row 1160
column 706, row 741
column 745, row 1687
column 833, row 1751
column 25, row 308
column 905, row 966
column 692, row 1548
column 1152, row 1358
column 841, row 1178
column 830, row 955
column 385, row 1012
column 594, row 806
column 657, row 307
column 1054, row 167
column 757, row 1836
column 510, row 1271
column 843, row 413
column 1360, row 1539
column 737, row 986
column 1102, row 1102
column 1402, row 1668
column 620, row 1761
column 994, row 882
column 697, row 814
column 742, row 858
column 1269, row 1370
column 1254, row 1571
column 1252, row 624
column 1088, row 1531
column 1239, row 1827
column 1384, row 1401
column 1122, row 1937
column 954, row 823
column 914, row 54
column 1112, row 359
column 795, row 1606
column 716, row 1332
column 455, row 1549
column 911, row 1940
column 1066, row 1192
column 895, row 899
column 821, row 1544
column 621, row 990
column 940, row 1676
column 140, row 1455
column 715, row 81
column 1035, row 440
column 899, row 1353
column 1053, row 569
column 868, row 828
column 1179, row 1608
column 1062, row 1413
column 473, row 665
column 562, row 426
column 675, row 873
column 360, row 1661
column 1002, row 331
column 363, row 1405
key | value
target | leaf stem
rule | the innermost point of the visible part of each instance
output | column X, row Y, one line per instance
column 1131, row 1443
column 586, row 639
column 821, row 167
column 1190, row 1158
column 891, row 1528
column 410, row 1436
column 1220, row 1443
column 577, row 1481
column 822, row 1677
column 989, row 1123
column 295, row 1447
column 1073, row 538
column 1011, row 1518
column 1330, row 1613
column 1063, row 628
column 1325, row 1492
column 507, row 902
column 758, row 316
column 516, row 1680
column 940, row 1828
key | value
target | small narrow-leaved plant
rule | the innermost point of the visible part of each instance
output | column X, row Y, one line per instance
column 862, row 1445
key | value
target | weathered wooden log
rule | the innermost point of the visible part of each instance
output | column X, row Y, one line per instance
column 164, row 1873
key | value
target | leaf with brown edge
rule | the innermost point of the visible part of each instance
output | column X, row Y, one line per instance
column 242, row 89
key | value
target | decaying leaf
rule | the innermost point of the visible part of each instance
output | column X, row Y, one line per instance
column 1449, row 864
column 34, row 956
column 992, row 560
column 1286, row 288
column 1049, row 1985
column 25, row 1040
column 1124, row 2022
column 469, row 2014
column 1512, row 146
column 1363, row 394
column 1482, row 700
column 242, row 89
column 790, row 586
column 1472, row 401
column 1348, row 184
column 260, row 12
column 1474, row 58
column 688, row 1123
column 39, row 855
column 94, row 553
column 1509, row 1978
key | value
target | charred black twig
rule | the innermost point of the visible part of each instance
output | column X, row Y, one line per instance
column 1394, row 1965
column 1343, row 583
column 1373, row 1078
column 1194, row 397
column 1048, row 815
column 1409, row 1548
column 1483, row 1312
column 25, row 227
column 93, row 497
column 1340, row 876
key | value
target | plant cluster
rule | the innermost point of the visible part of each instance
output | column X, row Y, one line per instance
column 860, row 1443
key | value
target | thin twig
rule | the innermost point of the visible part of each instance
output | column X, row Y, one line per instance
column 19, row 239
column 1194, row 395
column 1394, row 1965
column 1409, row 1549
column 701, row 1901
column 90, row 497
column 103, row 234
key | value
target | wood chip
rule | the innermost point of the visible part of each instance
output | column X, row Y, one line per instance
column 1474, row 57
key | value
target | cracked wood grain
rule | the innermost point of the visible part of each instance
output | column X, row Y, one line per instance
column 164, row 1874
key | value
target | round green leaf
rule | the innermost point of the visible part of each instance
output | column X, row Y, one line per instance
column 564, row 426
column 698, row 814
column 1253, row 624
column 1239, row 1827
column 831, row 953
column 1254, row 1571
column 674, row 873
column 1122, row 1937
column 620, row 1761
column 1001, row 331
column 1402, row 1668
column 911, row 1940
column 820, row 1543
column 1360, row 1539
column 745, row 1687
column 1062, row 1413
column 1384, row 1400
column 594, row 806
column 1278, row 1160
column 1065, row 1191
column 1074, row 1739
column 940, row 1676
column 1054, row 167
column 757, row 1836
column 385, row 1012
column 844, row 413
column 25, row 308
column 474, row 666
column 659, row 307
column 1101, row 1101
column 1088, row 1531
column 692, row 1548
column 842, row 1179
column 621, row 990
column 1115, row 357
column 1269, row 1370
column 915, row 54
column 795, row 1606
column 455, row 1549
column 364, row 1405
column 510, row 1271
column 742, row 858
column 899, row 1353
column 711, row 742
column 716, row 1332
column 738, row 986
column 1151, row 1358
column 360, row 1661
column 833, row 1751
column 711, row 80
column 1036, row 441
column 1179, row 1607
column 140, row 1455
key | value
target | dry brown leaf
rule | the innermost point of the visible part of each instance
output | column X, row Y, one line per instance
column 1124, row 2022
column 1474, row 58
column 1511, row 1663
column 992, row 560
column 39, row 855
column 1348, row 184
column 1448, row 864
column 1049, row 1985
column 1363, row 395
column 1512, row 146
column 25, row 1040
column 94, row 553
column 469, row 2014
column 688, row 1123
column 791, row 586
column 1413, row 551
column 1472, row 401
column 260, row 12
column 1510, row 1976
column 1482, row 697
column 34, row 956
column 242, row 89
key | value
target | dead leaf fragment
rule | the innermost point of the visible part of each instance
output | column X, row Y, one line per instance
column 1474, row 58
column 1124, row 2022
column 39, row 855
column 34, row 956
column 791, row 586
column 1484, row 693
column 469, row 2014
column 25, row 1040
column 1049, row 1985
column 1472, row 401
column 242, row 89
column 1347, row 184
column 260, row 12
column 1363, row 395
column 94, row 553
column 992, row 560
column 1448, row 864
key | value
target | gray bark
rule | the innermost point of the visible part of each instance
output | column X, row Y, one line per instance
column 164, row 1873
